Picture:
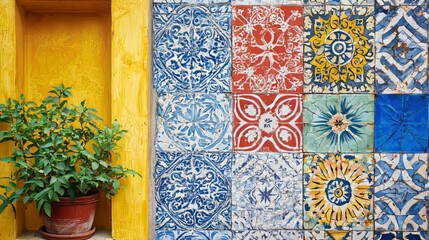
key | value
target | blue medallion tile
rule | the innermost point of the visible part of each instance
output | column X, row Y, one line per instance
column 401, row 235
column 401, row 185
column 402, row 49
column 269, row 235
column 267, row 191
column 363, row 235
column 193, row 191
column 401, row 126
column 401, row 2
column 194, row 122
column 193, row 235
column 192, row 48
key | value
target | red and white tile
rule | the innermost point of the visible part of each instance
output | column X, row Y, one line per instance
column 267, row 123
column 267, row 49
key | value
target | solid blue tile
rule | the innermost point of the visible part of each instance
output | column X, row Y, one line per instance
column 193, row 235
column 387, row 137
column 193, row 191
column 415, row 108
column 415, row 138
column 388, row 108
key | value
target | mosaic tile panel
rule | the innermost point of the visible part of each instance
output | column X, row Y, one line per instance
column 338, row 123
column 338, row 192
column 267, row 191
column 291, row 119
column 399, row 124
column 267, row 123
column 402, row 49
column 193, row 191
column 401, row 186
column 192, row 48
column 267, row 49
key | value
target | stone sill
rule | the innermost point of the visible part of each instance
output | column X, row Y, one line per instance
column 100, row 234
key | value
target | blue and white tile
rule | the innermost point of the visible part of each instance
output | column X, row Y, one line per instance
column 194, row 122
column 400, row 192
column 401, row 123
column 267, row 191
column 193, row 235
column 402, row 49
column 314, row 235
column 269, row 235
column 192, row 48
column 193, row 191
column 192, row 1
column 401, row 235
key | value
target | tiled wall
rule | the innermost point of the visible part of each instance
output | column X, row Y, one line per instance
column 282, row 119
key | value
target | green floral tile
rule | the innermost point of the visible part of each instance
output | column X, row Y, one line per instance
column 335, row 123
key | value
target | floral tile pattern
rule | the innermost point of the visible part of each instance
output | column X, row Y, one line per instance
column 402, row 49
column 192, row 48
column 267, row 191
column 267, row 123
column 267, row 49
column 401, row 235
column 194, row 235
column 338, row 123
column 399, row 124
column 338, row 191
column 338, row 48
column 271, row 235
column 401, row 185
column 194, row 122
column 193, row 191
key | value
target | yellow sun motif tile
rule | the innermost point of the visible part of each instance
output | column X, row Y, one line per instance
column 338, row 49
column 338, row 192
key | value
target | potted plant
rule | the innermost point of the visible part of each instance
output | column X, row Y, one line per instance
column 62, row 161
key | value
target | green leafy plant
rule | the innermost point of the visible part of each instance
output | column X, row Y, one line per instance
column 59, row 150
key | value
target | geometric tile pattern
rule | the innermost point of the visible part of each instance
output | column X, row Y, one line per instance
column 267, row 123
column 401, row 123
column 291, row 119
column 401, row 186
column 267, row 191
column 338, row 191
column 193, row 191
column 267, row 52
column 402, row 49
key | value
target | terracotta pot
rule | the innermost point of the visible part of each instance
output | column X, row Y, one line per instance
column 69, row 218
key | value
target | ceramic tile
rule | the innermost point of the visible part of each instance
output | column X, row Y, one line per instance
column 267, row 49
column 401, row 182
column 402, row 49
column 338, row 49
column 401, row 235
column 267, row 123
column 267, row 2
column 194, row 122
column 363, row 235
column 193, row 191
column 399, row 124
column 338, row 235
column 193, row 235
column 271, row 235
column 267, row 191
column 338, row 193
column 338, row 123
column 192, row 48
column 192, row 1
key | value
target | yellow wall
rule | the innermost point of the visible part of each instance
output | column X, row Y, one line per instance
column 104, row 56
